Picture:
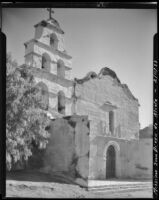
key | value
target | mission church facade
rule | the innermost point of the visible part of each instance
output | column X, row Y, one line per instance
column 94, row 128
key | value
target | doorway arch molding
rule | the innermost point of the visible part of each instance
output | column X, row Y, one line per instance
column 117, row 153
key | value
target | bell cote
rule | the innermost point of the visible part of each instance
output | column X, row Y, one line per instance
column 47, row 50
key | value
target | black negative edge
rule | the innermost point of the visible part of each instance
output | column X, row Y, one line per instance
column 155, row 116
column 3, row 112
column 128, row 5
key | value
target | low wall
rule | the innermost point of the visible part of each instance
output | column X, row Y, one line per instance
column 67, row 151
column 144, row 159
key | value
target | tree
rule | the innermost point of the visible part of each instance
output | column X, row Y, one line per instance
column 26, row 121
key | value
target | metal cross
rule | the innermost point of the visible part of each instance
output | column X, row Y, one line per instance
column 50, row 11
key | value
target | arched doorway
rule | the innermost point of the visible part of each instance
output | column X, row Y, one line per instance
column 110, row 162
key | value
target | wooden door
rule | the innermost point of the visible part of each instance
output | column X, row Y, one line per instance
column 110, row 162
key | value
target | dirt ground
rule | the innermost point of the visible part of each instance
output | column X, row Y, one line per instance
column 43, row 186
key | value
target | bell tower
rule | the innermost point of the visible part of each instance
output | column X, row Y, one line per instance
column 51, row 64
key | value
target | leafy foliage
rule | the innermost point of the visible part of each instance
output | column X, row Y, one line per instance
column 26, row 120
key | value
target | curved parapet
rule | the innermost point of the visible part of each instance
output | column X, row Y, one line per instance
column 107, row 71
column 90, row 75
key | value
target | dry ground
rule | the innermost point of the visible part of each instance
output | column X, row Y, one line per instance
column 27, row 184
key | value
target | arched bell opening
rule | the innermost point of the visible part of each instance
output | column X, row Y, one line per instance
column 46, row 62
column 61, row 102
column 60, row 69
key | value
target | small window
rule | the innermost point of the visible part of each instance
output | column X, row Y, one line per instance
column 111, row 122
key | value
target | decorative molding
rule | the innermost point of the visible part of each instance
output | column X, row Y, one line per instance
column 114, row 144
column 57, row 52
column 29, row 41
column 54, row 95
column 40, row 73
column 107, row 106
column 33, row 53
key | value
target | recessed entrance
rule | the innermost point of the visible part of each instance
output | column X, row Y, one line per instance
column 110, row 162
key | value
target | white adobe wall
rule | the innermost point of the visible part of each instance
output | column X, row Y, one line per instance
column 94, row 93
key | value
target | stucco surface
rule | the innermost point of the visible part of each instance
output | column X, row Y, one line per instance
column 68, row 147
column 144, row 159
column 91, row 96
column 60, row 148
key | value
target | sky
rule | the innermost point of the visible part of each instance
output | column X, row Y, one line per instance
column 121, row 39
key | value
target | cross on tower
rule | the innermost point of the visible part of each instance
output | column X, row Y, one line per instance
column 50, row 11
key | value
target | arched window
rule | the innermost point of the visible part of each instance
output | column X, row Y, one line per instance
column 44, row 95
column 53, row 41
column 46, row 61
column 60, row 69
column 61, row 102
column 111, row 122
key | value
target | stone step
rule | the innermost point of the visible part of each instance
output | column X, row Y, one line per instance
column 124, row 187
column 122, row 190
column 116, row 189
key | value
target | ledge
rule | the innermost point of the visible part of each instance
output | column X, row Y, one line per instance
column 40, row 73
column 45, row 23
column 107, row 106
column 40, row 44
column 118, row 138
